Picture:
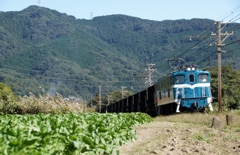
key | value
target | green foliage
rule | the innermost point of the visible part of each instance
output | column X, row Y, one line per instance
column 6, row 93
column 42, row 47
column 7, row 99
column 89, row 133
column 230, row 86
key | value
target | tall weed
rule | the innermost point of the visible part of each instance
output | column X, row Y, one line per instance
column 42, row 104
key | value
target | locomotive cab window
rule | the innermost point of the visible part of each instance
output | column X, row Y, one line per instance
column 203, row 77
column 179, row 79
column 191, row 78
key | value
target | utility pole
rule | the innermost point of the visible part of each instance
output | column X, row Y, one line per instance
column 150, row 71
column 219, row 50
column 109, row 97
column 91, row 15
column 91, row 101
column 219, row 68
column 122, row 91
column 100, row 102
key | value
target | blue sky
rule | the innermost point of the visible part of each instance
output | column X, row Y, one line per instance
column 146, row 9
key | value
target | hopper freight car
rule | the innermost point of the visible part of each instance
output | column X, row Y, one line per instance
column 185, row 90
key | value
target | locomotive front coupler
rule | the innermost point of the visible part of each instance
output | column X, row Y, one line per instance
column 195, row 105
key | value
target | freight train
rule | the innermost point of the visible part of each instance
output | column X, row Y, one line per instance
column 187, row 89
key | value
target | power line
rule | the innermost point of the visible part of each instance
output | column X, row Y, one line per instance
column 232, row 43
column 229, row 13
column 207, row 57
column 195, row 45
column 232, row 20
column 12, row 71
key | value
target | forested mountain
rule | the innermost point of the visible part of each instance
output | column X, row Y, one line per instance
column 44, row 50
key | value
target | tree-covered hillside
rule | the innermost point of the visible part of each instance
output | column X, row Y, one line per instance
column 44, row 49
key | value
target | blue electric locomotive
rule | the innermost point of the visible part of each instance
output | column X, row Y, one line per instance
column 185, row 90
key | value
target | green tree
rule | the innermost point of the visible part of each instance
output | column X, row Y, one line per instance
column 6, row 93
column 230, row 86
column 7, row 100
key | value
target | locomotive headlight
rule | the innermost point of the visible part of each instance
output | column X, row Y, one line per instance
column 193, row 68
column 188, row 69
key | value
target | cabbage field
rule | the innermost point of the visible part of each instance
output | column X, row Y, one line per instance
column 71, row 134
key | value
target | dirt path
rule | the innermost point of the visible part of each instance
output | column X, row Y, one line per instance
column 168, row 138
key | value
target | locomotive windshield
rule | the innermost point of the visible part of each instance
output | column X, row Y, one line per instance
column 191, row 78
column 203, row 77
column 179, row 79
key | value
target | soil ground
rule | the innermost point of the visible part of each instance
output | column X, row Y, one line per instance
column 178, row 138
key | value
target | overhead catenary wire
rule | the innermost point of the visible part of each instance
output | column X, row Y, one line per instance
column 229, row 13
column 235, row 18
column 195, row 45
column 68, row 80
column 207, row 57
column 232, row 43
column 230, row 21
column 192, row 47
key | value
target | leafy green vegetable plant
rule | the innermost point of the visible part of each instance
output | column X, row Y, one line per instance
column 87, row 133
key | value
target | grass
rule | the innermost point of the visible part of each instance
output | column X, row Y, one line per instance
column 200, row 138
column 202, row 118
column 43, row 104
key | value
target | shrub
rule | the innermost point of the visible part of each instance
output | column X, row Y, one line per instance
column 7, row 99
